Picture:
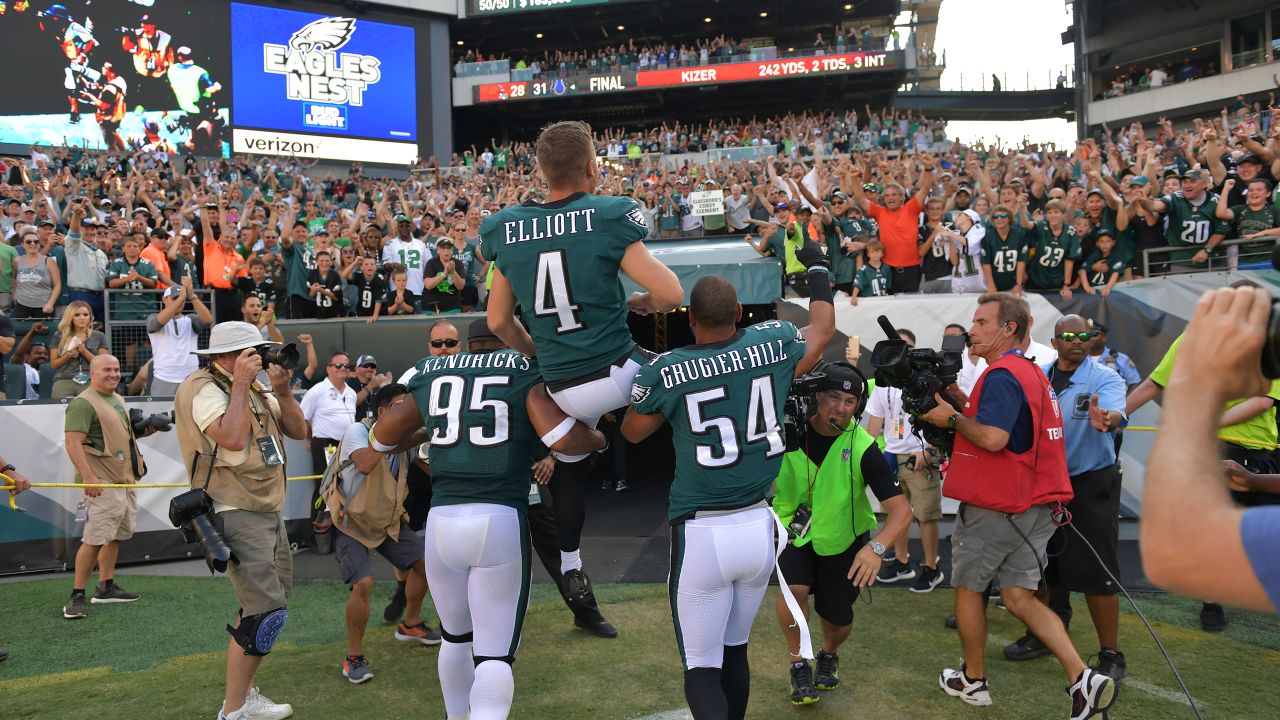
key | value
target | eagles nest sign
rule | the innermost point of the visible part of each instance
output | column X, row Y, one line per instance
column 314, row 68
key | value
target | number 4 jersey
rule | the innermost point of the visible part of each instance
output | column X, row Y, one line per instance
column 562, row 261
column 482, row 442
column 724, row 403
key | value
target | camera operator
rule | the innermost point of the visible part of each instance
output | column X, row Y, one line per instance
column 921, row 481
column 1007, row 469
column 101, row 444
column 231, row 431
column 366, row 501
column 821, row 495
column 1234, row 555
column 1091, row 397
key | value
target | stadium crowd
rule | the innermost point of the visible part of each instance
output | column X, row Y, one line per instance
column 899, row 206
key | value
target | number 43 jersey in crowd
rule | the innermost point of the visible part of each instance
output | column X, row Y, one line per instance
column 724, row 403
column 482, row 442
column 562, row 259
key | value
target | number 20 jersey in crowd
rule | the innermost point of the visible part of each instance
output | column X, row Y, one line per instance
column 482, row 442
column 561, row 259
column 724, row 402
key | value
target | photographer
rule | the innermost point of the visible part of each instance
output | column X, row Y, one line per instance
column 366, row 501
column 1007, row 469
column 821, row 495
column 231, row 431
column 1233, row 555
column 100, row 442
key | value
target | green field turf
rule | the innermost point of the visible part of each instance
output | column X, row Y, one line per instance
column 162, row 657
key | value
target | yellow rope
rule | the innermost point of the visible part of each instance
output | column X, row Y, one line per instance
column 10, row 484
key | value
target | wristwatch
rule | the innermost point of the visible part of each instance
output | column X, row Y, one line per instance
column 877, row 548
column 951, row 421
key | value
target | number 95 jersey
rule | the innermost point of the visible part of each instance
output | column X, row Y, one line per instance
column 562, row 259
column 724, row 402
column 482, row 442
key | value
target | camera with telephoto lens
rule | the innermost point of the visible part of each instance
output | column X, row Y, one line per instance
column 162, row 422
column 920, row 373
column 795, row 409
column 286, row 356
column 191, row 512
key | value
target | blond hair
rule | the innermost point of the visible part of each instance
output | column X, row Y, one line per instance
column 65, row 322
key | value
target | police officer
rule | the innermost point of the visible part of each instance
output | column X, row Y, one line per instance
column 100, row 443
column 1114, row 359
column 821, row 496
column 1091, row 398
column 231, row 430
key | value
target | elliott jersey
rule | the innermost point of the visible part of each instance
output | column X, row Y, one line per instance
column 482, row 442
column 562, row 260
column 724, row 402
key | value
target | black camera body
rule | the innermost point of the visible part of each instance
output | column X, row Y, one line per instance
column 920, row 373
column 191, row 512
column 795, row 409
column 162, row 422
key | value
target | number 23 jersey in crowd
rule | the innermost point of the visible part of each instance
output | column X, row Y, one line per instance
column 482, row 442
column 724, row 402
column 562, row 259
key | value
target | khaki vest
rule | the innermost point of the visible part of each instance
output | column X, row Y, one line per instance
column 376, row 510
column 252, row 485
column 120, row 461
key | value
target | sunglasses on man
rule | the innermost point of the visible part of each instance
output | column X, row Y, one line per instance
column 450, row 343
column 343, row 366
column 1081, row 336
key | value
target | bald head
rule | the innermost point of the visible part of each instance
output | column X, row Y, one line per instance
column 1070, row 323
column 713, row 303
column 104, row 373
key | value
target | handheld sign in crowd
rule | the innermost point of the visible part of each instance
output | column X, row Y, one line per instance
column 708, row 202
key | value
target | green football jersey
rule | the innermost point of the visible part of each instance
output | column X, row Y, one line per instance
column 724, row 403
column 1248, row 222
column 482, row 442
column 1115, row 266
column 843, row 265
column 1003, row 255
column 1191, row 226
column 562, row 262
column 874, row 281
column 127, row 305
column 1046, row 256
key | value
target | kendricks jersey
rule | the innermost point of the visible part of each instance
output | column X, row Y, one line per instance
column 724, row 403
column 482, row 442
column 562, row 261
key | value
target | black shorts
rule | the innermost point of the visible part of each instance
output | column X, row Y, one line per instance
column 846, row 288
column 827, row 577
column 354, row 559
column 1262, row 462
column 906, row 279
column 1095, row 512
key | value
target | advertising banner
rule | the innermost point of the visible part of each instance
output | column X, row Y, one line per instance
column 301, row 72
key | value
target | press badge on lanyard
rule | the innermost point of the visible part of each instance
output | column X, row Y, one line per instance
column 270, row 449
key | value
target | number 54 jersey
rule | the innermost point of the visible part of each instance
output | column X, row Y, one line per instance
column 562, row 259
column 482, row 442
column 724, row 402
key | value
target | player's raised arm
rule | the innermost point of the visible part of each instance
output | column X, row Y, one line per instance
column 664, row 293
column 822, row 313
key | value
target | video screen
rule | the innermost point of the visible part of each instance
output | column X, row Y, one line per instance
column 116, row 74
column 335, row 75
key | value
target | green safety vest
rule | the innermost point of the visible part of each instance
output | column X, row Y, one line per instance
column 841, row 510
column 791, row 243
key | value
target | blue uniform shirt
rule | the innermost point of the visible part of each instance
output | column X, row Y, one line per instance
column 1088, row 449
column 1260, row 531
column 1119, row 362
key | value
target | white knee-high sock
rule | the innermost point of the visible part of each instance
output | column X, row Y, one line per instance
column 457, row 673
column 492, row 692
column 570, row 561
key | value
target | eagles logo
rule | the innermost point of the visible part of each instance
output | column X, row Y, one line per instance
column 637, row 217
column 639, row 393
column 324, row 34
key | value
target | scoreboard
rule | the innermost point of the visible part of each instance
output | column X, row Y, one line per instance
column 627, row 80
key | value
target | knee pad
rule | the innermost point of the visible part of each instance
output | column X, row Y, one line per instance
column 257, row 634
column 508, row 659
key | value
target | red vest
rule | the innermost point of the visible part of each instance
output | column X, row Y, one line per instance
column 1014, row 482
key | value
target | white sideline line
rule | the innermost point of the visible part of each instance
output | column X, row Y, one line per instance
column 681, row 714
column 1159, row 691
